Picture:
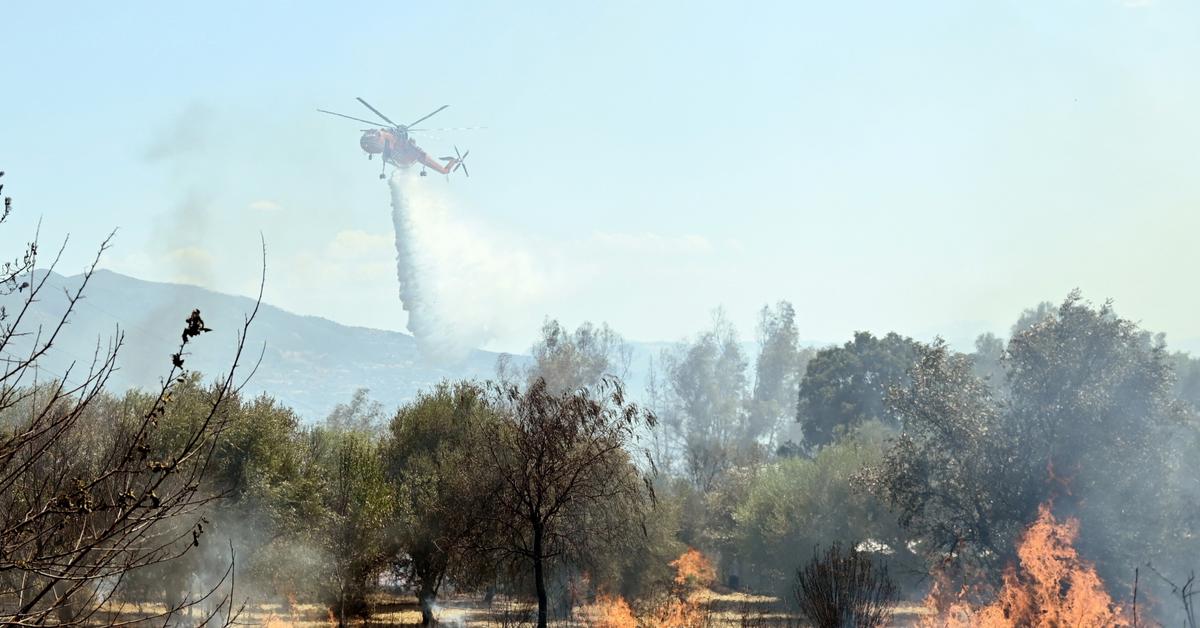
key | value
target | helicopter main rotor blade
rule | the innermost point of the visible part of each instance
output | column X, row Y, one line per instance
column 428, row 116
column 368, row 106
column 334, row 113
column 453, row 128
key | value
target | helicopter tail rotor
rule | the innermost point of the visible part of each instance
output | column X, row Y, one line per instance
column 460, row 161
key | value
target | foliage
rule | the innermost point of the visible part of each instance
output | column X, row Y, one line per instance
column 847, row 385
column 558, row 464
column 257, row 467
column 706, row 407
column 430, row 461
column 1087, row 422
column 1187, row 379
column 360, row 414
column 569, row 360
column 986, row 362
column 778, row 370
column 798, row 503
column 844, row 589
column 352, row 529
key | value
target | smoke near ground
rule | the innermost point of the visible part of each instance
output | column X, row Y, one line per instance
column 459, row 287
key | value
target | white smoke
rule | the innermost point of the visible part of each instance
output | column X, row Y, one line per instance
column 460, row 289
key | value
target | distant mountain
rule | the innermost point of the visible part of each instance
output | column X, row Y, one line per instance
column 310, row 363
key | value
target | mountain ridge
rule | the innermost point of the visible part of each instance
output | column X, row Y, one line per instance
column 309, row 363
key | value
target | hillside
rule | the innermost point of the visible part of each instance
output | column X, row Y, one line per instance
column 310, row 363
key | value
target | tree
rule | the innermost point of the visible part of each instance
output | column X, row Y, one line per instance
column 561, row 473
column 352, row 527
column 1032, row 316
column 847, row 385
column 708, row 401
column 569, row 360
column 1187, row 379
column 85, row 498
column 954, row 476
column 429, row 458
column 986, row 362
column 255, row 468
column 1088, row 421
column 360, row 414
column 778, row 370
column 795, row 504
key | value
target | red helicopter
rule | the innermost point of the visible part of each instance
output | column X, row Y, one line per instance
column 397, row 148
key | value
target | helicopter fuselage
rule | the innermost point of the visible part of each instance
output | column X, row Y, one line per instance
column 399, row 150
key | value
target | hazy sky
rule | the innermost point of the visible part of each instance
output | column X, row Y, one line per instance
column 923, row 167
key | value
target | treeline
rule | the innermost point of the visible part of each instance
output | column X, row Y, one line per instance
column 920, row 457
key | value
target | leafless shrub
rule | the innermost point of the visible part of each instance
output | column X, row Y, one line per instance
column 88, row 496
column 844, row 589
column 1186, row 592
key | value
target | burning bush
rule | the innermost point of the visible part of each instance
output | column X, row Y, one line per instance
column 681, row 607
column 693, row 570
column 612, row 612
column 844, row 589
column 1051, row 587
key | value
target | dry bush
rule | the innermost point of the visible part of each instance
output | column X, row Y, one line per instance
column 844, row 589
column 89, row 494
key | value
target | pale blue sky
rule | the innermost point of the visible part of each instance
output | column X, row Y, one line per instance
column 910, row 166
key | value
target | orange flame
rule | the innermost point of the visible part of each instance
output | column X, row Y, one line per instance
column 694, row 573
column 612, row 612
column 1052, row 587
column 682, row 608
column 693, row 570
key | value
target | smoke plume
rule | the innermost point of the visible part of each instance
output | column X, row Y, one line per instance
column 459, row 288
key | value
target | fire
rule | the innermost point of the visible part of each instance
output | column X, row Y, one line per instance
column 679, row 613
column 682, row 607
column 1052, row 586
column 612, row 612
column 692, row 569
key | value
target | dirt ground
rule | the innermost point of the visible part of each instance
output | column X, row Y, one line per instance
column 719, row 609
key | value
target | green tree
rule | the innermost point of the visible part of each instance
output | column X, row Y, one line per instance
column 847, row 385
column 1088, row 421
column 777, row 373
column 955, row 476
column 430, row 460
column 352, row 529
column 569, row 360
column 796, row 504
column 360, row 414
column 708, row 399
column 986, row 361
column 257, row 467
column 561, row 474
column 1187, row 379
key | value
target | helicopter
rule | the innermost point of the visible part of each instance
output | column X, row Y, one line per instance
column 395, row 146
